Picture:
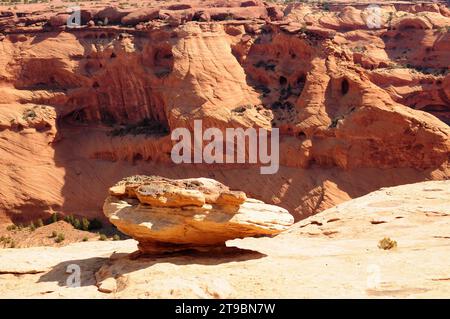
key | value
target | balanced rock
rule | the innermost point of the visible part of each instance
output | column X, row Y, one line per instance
column 167, row 215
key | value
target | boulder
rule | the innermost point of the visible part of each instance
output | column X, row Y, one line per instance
column 113, row 14
column 251, row 3
column 275, row 13
column 58, row 20
column 141, row 15
column 168, row 215
column 240, row 13
column 202, row 16
column 181, row 6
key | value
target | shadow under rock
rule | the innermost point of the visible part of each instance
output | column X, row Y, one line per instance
column 136, row 261
column 63, row 272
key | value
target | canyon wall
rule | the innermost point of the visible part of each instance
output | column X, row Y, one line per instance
column 358, row 108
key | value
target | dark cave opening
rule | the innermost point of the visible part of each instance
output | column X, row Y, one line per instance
column 345, row 86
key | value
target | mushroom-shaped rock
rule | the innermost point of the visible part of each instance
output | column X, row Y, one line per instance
column 170, row 215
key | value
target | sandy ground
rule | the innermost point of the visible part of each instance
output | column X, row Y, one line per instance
column 333, row 254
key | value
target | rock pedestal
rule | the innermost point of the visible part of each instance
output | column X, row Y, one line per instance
column 170, row 215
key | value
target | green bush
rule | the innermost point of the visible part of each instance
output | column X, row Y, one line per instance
column 6, row 241
column 69, row 219
column 11, row 227
column 85, row 224
column 60, row 238
column 76, row 224
column 85, row 239
column 54, row 218
column 39, row 223
column 386, row 243
column 103, row 237
column 32, row 226
column 116, row 237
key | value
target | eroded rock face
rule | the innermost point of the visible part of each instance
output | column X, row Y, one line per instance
column 164, row 214
column 348, row 99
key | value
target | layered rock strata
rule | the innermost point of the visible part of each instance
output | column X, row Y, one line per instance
column 167, row 215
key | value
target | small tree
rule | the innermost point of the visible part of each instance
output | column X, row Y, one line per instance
column 85, row 224
column 76, row 223
column 69, row 219
column 54, row 218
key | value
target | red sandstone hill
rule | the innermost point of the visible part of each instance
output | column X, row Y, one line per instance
column 358, row 108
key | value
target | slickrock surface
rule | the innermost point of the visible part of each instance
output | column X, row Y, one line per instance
column 82, row 108
column 332, row 254
column 166, row 215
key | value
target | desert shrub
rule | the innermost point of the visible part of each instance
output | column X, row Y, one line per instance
column 54, row 218
column 359, row 49
column 60, row 238
column 39, row 223
column 85, row 224
column 32, row 226
column 85, row 239
column 76, row 223
column 69, row 219
column 11, row 227
column 103, row 237
column 116, row 237
column 386, row 243
column 6, row 241
column 54, row 234
column 144, row 127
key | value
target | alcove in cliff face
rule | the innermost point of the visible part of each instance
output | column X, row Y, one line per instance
column 105, row 86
